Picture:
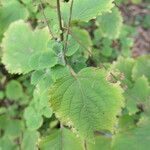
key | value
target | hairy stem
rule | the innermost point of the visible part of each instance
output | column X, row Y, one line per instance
column 69, row 24
column 61, row 126
column 60, row 21
column 62, row 35
column 46, row 21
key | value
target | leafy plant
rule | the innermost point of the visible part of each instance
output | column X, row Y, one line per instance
column 67, row 92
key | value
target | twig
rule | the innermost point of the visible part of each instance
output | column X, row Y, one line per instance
column 60, row 20
column 72, row 71
column 62, row 34
column 85, row 145
column 69, row 24
column 62, row 127
column 45, row 19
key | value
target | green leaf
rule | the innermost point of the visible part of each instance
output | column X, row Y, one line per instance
column 87, row 102
column 59, row 72
column 33, row 119
column 43, row 60
column 20, row 44
column 107, row 49
column 125, row 66
column 37, row 76
column 14, row 128
column 60, row 139
column 14, row 90
column 78, row 61
column 39, row 105
column 127, row 121
column 133, row 139
column 141, row 67
column 72, row 46
column 110, row 24
column 1, row 95
column 10, row 12
column 86, row 10
column 6, row 143
column 82, row 37
column 138, row 95
column 30, row 139
column 57, row 48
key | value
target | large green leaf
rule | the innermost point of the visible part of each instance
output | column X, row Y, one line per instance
column 20, row 44
column 87, row 102
column 86, row 9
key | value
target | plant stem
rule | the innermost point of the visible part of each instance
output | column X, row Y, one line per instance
column 85, row 145
column 62, row 35
column 46, row 21
column 60, row 21
column 62, row 127
column 69, row 24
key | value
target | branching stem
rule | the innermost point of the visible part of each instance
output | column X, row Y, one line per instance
column 62, row 33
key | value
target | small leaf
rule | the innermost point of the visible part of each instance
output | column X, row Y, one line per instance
column 59, row 72
column 33, row 119
column 72, row 46
column 82, row 37
column 125, row 66
column 30, row 139
column 39, row 105
column 37, row 76
column 110, row 24
column 14, row 90
column 141, row 67
column 138, row 95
